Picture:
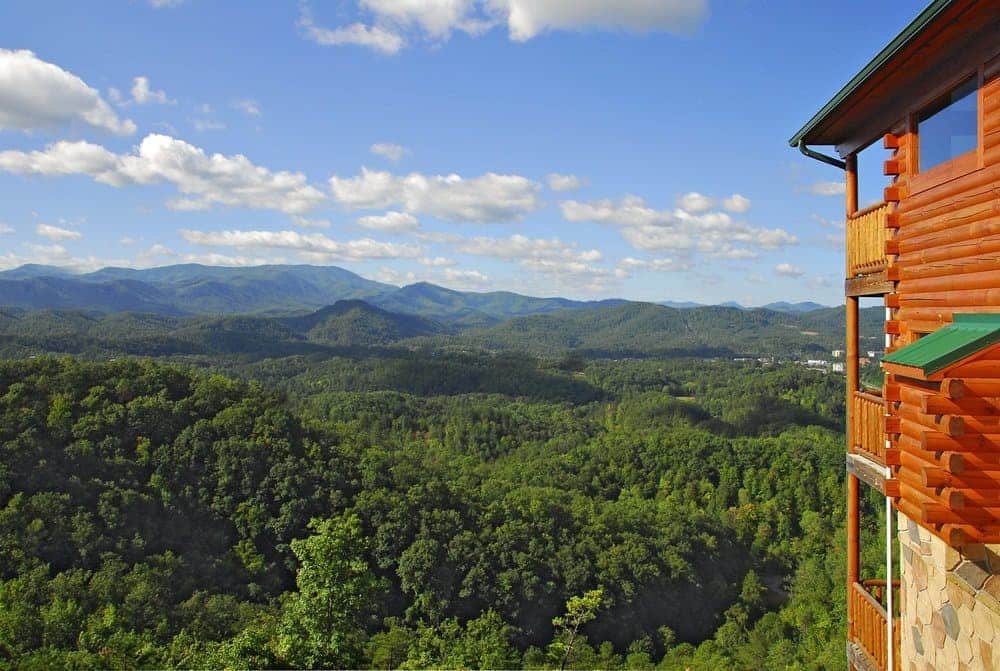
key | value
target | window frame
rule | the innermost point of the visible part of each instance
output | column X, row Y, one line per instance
column 960, row 165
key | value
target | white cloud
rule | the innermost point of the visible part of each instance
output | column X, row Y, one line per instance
column 143, row 95
column 247, row 106
column 563, row 264
column 394, row 21
column 466, row 279
column 203, row 179
column 488, row 198
column 828, row 188
column 314, row 246
column 57, row 233
column 736, row 203
column 202, row 125
column 6, row 229
column 388, row 150
column 390, row 222
column 662, row 265
column 127, row 241
column 788, row 270
column 528, row 18
column 437, row 262
column 358, row 34
column 35, row 94
column 393, row 276
column 695, row 202
column 680, row 230
column 559, row 182
column 160, row 4
column 310, row 223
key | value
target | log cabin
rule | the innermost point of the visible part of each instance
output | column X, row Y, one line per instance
column 927, row 440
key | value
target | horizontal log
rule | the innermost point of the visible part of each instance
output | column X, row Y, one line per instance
column 913, row 457
column 893, row 327
column 956, row 235
column 891, row 488
column 968, row 212
column 958, row 498
column 911, row 272
column 941, row 316
column 958, row 280
column 892, row 456
column 950, row 195
column 935, row 441
column 938, row 477
column 969, row 249
column 956, row 390
column 958, row 298
column 974, row 407
column 893, row 194
column 891, row 167
column 950, row 425
column 890, row 141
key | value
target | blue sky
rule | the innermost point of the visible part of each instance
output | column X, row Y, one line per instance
column 585, row 148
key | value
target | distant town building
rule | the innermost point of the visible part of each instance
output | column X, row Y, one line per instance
column 837, row 354
column 837, row 367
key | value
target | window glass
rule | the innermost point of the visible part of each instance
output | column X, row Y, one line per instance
column 949, row 128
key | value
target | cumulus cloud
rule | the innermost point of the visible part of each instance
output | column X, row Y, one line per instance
column 528, row 18
column 314, row 246
column 695, row 202
column 358, row 34
column 388, row 150
column 488, row 198
column 57, row 233
column 396, row 22
column 788, row 270
column 202, row 125
column 680, row 230
column 142, row 94
column 202, row 179
column 6, row 229
column 35, row 94
column 630, row 264
column 736, row 203
column 559, row 182
column 564, row 264
column 828, row 188
column 465, row 279
column 390, row 222
column 437, row 262
column 310, row 223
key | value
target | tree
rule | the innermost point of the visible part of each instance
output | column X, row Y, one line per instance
column 322, row 625
column 579, row 611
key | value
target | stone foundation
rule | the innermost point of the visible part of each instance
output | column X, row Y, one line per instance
column 950, row 603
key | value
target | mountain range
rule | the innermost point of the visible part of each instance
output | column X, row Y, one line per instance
column 192, row 289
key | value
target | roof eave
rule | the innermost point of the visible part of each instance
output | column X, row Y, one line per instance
column 915, row 27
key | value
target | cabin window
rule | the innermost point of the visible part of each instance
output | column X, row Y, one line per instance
column 949, row 127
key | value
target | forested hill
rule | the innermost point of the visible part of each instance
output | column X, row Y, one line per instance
column 152, row 517
column 277, row 289
column 645, row 329
column 616, row 331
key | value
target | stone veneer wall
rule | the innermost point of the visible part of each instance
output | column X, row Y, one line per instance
column 950, row 603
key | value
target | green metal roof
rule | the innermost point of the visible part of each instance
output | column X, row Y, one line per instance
column 964, row 337
column 918, row 24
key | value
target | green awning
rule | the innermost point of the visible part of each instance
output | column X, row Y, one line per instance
column 965, row 336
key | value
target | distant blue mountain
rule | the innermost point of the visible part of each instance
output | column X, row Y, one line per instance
column 273, row 289
column 794, row 308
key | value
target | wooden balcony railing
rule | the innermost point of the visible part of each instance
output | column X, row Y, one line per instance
column 868, row 616
column 867, row 429
column 866, row 236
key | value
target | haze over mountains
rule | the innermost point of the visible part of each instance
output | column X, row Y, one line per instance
column 285, row 310
column 275, row 289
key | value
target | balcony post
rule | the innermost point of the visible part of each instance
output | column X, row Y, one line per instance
column 853, row 511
